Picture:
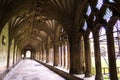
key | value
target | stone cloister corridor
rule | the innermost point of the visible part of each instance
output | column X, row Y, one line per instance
column 69, row 39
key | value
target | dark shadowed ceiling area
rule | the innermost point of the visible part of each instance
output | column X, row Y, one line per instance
column 33, row 22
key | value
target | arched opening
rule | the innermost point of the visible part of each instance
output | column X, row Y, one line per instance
column 104, row 52
column 22, row 56
column 92, row 53
column 28, row 54
column 116, row 34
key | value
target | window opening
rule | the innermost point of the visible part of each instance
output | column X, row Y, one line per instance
column 104, row 52
column 88, row 11
column 108, row 14
column 94, row 18
column 99, row 4
column 92, row 52
column 112, row 1
column 28, row 54
column 116, row 33
column 85, row 26
column 22, row 56
column 3, row 40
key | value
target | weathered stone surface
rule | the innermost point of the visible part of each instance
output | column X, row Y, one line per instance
column 27, row 70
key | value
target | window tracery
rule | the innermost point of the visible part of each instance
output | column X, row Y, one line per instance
column 108, row 14
column 99, row 4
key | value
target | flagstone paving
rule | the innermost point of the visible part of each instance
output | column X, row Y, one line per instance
column 31, row 70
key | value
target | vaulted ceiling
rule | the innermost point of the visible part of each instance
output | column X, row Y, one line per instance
column 32, row 21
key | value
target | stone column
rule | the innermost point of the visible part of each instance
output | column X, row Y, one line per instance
column 42, row 52
column 111, row 54
column 17, row 54
column 56, row 54
column 47, row 53
column 38, row 55
column 14, row 55
column 82, row 56
column 74, row 55
column 87, row 56
column 8, row 55
column 61, row 54
column 98, row 75
column 64, row 55
column 68, row 56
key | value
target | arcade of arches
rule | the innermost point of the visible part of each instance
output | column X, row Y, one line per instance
column 80, row 36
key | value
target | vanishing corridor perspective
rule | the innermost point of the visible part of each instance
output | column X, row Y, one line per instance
column 59, row 39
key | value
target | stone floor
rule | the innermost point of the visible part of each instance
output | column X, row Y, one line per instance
column 31, row 70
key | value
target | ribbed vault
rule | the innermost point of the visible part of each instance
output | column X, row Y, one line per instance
column 32, row 21
column 48, row 26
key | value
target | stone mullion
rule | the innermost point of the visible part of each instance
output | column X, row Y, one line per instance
column 98, row 75
column 111, row 55
column 87, row 56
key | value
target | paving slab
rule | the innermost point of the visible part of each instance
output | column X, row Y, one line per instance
column 31, row 70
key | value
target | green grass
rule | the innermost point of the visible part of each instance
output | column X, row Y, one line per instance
column 104, row 65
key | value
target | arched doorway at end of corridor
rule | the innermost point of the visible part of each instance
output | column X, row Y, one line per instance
column 27, row 54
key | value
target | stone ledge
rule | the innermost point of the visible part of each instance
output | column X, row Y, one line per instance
column 4, row 73
column 60, row 72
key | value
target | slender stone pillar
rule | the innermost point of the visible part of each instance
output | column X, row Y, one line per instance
column 87, row 56
column 47, row 53
column 61, row 54
column 68, row 56
column 40, row 55
column 64, row 55
column 14, row 55
column 98, row 75
column 81, row 56
column 17, row 52
column 56, row 54
column 111, row 54
column 8, row 55
column 42, row 52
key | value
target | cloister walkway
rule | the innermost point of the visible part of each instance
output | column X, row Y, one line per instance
column 31, row 70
